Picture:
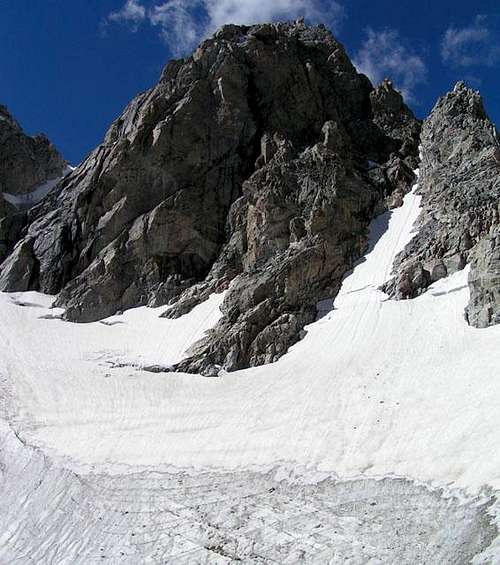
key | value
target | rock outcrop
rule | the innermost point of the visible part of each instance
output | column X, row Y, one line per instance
column 460, row 187
column 25, row 163
column 254, row 165
column 484, row 283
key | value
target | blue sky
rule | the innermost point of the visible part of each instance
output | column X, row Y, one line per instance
column 68, row 67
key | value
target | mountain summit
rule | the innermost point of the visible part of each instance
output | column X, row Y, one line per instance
column 302, row 229
column 256, row 165
column 460, row 218
column 26, row 164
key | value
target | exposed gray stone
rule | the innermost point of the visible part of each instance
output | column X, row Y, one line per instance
column 20, row 268
column 460, row 187
column 25, row 162
column 484, row 283
column 249, row 162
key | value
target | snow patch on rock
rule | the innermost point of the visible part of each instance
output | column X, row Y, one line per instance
column 38, row 193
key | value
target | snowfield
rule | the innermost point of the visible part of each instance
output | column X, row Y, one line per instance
column 402, row 392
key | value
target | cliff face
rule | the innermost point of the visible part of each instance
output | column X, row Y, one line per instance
column 298, row 227
column 257, row 164
column 460, row 187
column 25, row 163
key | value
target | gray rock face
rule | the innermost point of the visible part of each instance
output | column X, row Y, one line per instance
column 8, row 217
column 292, row 244
column 392, row 115
column 460, row 187
column 259, row 161
column 25, row 163
column 484, row 283
column 298, row 227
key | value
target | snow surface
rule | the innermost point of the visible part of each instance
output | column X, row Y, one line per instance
column 376, row 388
column 268, row 465
column 50, row 516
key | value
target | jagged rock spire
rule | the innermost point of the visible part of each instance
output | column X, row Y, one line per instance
column 25, row 163
column 460, row 185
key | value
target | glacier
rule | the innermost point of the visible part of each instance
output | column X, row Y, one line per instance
column 373, row 440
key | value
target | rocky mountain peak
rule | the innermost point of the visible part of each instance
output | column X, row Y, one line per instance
column 389, row 97
column 387, row 100
column 25, row 163
column 394, row 116
column 463, row 98
column 255, row 166
column 225, row 170
column 460, row 112
column 460, row 187
column 7, row 119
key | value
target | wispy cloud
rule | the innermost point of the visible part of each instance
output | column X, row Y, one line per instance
column 477, row 44
column 384, row 54
column 177, row 24
column 256, row 11
column 183, row 23
column 133, row 13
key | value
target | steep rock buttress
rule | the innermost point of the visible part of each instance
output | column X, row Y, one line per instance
column 460, row 219
column 25, row 163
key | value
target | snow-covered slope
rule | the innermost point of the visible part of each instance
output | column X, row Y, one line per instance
column 376, row 389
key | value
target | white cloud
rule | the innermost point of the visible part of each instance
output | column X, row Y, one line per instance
column 477, row 44
column 183, row 23
column 384, row 55
column 132, row 13
column 256, row 11
column 177, row 25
